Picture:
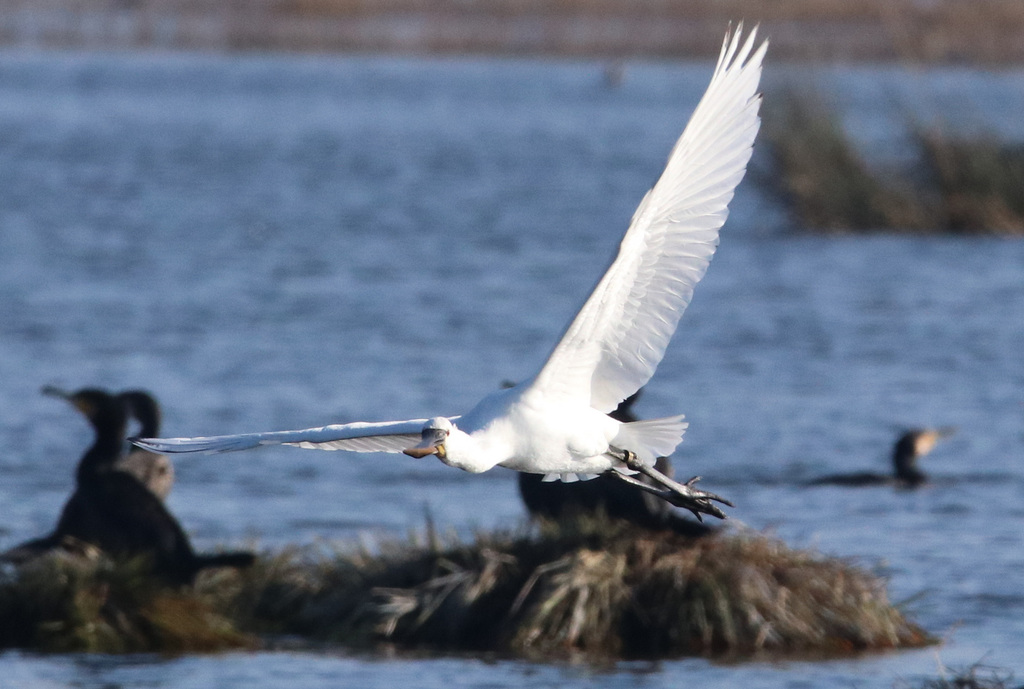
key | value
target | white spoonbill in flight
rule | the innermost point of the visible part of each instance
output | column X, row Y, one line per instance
column 556, row 423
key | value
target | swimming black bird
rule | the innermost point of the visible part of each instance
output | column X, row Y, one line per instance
column 911, row 446
column 618, row 500
column 154, row 471
column 113, row 511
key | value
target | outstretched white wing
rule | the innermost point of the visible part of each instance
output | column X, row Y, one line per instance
column 390, row 436
column 619, row 337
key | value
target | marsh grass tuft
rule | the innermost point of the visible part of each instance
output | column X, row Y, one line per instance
column 978, row 181
column 61, row 603
column 591, row 587
column 962, row 185
column 596, row 588
column 821, row 174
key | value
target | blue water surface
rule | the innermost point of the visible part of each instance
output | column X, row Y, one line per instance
column 282, row 242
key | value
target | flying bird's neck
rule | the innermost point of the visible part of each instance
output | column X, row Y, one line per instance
column 473, row 453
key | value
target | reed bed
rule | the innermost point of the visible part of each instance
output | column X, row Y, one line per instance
column 959, row 185
column 590, row 588
column 978, row 182
column 827, row 183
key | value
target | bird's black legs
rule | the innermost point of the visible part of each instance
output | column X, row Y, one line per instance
column 679, row 494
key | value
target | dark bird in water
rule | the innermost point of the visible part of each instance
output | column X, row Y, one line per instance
column 557, row 500
column 154, row 471
column 116, row 513
column 911, row 446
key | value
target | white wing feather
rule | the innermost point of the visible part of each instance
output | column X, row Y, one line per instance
column 390, row 436
column 615, row 343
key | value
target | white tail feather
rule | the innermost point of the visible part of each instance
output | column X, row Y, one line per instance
column 651, row 438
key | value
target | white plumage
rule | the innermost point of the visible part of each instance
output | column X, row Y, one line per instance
column 556, row 423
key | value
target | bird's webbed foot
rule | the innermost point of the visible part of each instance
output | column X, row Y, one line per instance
column 679, row 494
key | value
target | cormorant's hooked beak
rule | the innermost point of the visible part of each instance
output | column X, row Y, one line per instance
column 54, row 391
column 432, row 443
column 926, row 441
column 78, row 401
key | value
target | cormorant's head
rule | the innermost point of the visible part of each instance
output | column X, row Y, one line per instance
column 913, row 444
column 100, row 407
column 435, row 433
column 145, row 409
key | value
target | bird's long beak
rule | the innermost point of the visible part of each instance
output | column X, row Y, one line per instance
column 927, row 440
column 81, row 404
column 421, row 450
column 431, row 444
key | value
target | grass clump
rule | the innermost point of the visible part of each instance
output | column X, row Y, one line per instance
column 71, row 603
column 828, row 183
column 593, row 587
column 979, row 181
column 961, row 185
column 600, row 589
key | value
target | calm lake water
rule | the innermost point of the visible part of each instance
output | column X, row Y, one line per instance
column 283, row 242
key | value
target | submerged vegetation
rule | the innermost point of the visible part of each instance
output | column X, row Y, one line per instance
column 976, row 676
column 598, row 589
column 963, row 185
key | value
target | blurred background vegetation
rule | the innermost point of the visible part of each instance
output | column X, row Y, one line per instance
column 932, row 31
column 958, row 184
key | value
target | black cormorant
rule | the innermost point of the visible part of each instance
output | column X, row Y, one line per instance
column 113, row 511
column 156, row 472
column 607, row 494
column 909, row 448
